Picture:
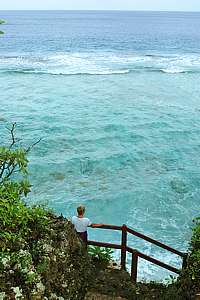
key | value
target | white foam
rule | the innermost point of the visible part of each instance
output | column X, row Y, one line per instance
column 99, row 63
column 173, row 71
column 147, row 270
column 59, row 72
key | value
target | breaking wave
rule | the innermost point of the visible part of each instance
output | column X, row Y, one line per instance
column 99, row 64
column 68, row 73
column 173, row 71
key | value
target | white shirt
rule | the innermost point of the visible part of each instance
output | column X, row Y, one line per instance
column 81, row 224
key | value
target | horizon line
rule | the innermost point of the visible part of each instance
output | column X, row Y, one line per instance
column 109, row 10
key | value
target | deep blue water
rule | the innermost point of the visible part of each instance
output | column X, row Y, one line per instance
column 115, row 97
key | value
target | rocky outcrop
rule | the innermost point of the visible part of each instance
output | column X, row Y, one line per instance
column 50, row 265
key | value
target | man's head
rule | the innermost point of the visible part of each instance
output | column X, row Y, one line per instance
column 81, row 210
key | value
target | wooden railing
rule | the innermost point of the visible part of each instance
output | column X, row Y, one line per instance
column 135, row 253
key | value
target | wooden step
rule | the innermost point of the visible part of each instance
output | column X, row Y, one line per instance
column 97, row 296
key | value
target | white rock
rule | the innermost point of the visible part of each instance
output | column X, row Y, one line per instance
column 2, row 295
column 5, row 261
column 40, row 287
column 24, row 252
column 31, row 273
column 17, row 291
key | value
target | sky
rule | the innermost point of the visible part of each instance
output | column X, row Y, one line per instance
column 167, row 5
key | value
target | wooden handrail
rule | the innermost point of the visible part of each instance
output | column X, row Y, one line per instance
column 155, row 242
column 144, row 237
column 135, row 253
column 104, row 226
column 106, row 245
column 158, row 263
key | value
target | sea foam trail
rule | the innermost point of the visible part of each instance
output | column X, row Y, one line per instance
column 173, row 71
column 99, row 64
column 117, row 72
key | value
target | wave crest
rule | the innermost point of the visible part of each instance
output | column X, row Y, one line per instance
column 116, row 72
column 173, row 71
column 99, row 63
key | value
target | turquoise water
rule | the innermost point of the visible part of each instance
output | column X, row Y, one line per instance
column 119, row 122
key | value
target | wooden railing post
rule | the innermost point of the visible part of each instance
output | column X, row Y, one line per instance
column 123, row 245
column 184, row 264
column 134, row 266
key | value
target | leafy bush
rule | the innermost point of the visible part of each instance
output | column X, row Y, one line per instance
column 188, row 283
column 194, row 259
column 17, row 220
column 19, row 224
column 1, row 22
column 102, row 254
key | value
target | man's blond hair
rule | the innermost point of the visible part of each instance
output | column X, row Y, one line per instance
column 81, row 210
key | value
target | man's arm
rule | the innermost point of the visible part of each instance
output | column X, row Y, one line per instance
column 96, row 225
column 72, row 220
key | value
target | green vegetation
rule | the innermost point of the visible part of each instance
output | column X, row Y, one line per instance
column 189, row 280
column 194, row 259
column 102, row 254
column 17, row 220
column 2, row 22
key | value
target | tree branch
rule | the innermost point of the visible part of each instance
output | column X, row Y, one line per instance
column 10, row 171
column 12, row 132
column 33, row 145
column 8, row 167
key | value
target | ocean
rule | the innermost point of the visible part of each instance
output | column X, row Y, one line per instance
column 115, row 97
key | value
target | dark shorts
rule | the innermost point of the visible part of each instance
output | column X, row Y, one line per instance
column 83, row 236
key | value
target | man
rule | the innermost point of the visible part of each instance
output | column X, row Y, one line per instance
column 81, row 223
